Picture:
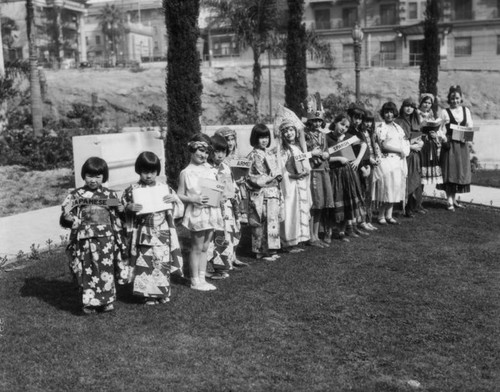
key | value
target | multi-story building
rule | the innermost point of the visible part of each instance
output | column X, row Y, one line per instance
column 59, row 28
column 469, row 31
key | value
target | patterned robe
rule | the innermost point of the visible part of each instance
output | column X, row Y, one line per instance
column 97, row 250
column 154, row 247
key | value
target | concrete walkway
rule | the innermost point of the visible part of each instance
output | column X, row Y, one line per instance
column 40, row 227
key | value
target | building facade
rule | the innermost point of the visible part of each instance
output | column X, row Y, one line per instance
column 469, row 31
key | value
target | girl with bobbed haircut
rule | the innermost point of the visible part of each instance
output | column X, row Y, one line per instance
column 389, row 106
column 455, row 89
column 95, row 166
column 146, row 162
column 259, row 131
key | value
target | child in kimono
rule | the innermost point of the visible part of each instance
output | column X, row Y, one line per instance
column 97, row 249
column 265, row 196
column 154, row 247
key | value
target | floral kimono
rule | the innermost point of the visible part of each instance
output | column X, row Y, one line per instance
column 265, row 202
column 97, row 250
column 155, row 251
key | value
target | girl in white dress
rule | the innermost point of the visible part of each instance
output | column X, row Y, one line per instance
column 200, row 217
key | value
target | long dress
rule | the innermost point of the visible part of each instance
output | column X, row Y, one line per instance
column 198, row 217
column 222, row 250
column 321, row 188
column 411, row 124
column 347, row 193
column 294, row 229
column 265, row 205
column 455, row 155
column 239, row 175
column 429, row 155
column 389, row 177
column 155, row 251
column 97, row 250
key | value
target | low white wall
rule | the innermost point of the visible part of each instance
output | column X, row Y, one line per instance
column 119, row 150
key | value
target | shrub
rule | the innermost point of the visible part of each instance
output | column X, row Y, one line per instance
column 241, row 113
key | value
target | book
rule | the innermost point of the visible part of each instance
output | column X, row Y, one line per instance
column 151, row 199
column 213, row 189
column 462, row 134
column 415, row 137
column 344, row 149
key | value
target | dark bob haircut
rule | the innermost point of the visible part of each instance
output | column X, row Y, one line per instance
column 95, row 166
column 389, row 107
column 339, row 118
column 259, row 131
column 199, row 137
column 147, row 162
column 219, row 143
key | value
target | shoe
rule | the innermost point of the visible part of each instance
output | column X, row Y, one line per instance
column 296, row 250
column 458, row 205
column 382, row 221
column 361, row 232
column 373, row 228
column 326, row 242
column 88, row 310
column 366, row 226
column 150, row 302
column 317, row 244
column 410, row 215
column 199, row 287
column 218, row 276
column 451, row 208
column 209, row 286
column 163, row 300
column 422, row 211
column 392, row 221
column 275, row 256
column 239, row 263
column 351, row 233
column 108, row 308
column 342, row 237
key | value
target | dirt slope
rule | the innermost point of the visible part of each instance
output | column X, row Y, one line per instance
column 124, row 92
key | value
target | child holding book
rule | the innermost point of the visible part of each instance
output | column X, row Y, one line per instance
column 97, row 249
column 265, row 196
column 349, row 205
column 154, row 247
column 203, row 213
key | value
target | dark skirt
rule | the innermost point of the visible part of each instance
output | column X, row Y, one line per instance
column 414, row 179
column 321, row 190
column 347, row 195
column 455, row 166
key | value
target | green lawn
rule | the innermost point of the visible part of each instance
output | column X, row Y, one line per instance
column 416, row 302
column 486, row 178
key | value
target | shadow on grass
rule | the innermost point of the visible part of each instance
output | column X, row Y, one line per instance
column 60, row 294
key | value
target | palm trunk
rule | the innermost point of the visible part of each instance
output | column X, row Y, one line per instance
column 257, row 81
column 36, row 95
column 3, row 105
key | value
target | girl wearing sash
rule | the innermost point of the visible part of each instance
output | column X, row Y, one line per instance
column 200, row 218
column 97, row 250
column 265, row 205
column 455, row 155
column 154, row 247
column 297, row 198
column 347, row 194
column 389, row 177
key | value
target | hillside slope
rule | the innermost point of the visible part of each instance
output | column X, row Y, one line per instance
column 124, row 92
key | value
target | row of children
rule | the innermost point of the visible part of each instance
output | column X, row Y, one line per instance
column 312, row 181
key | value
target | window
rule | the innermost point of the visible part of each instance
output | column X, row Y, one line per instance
column 86, row 40
column 463, row 10
column 97, row 39
column 322, row 19
column 388, row 50
column 349, row 16
column 348, row 53
column 498, row 44
column 388, row 14
column 463, row 47
column 412, row 10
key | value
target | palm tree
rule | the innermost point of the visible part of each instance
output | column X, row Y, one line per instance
column 111, row 22
column 36, row 95
column 255, row 24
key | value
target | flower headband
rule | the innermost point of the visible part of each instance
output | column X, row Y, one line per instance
column 196, row 145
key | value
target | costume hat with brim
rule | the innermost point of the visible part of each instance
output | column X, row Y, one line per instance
column 355, row 109
column 313, row 109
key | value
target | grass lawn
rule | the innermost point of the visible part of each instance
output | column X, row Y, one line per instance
column 25, row 190
column 419, row 302
column 486, row 178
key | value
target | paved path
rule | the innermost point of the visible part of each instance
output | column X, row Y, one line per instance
column 20, row 232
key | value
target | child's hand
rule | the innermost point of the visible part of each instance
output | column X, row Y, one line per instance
column 316, row 152
column 355, row 164
column 278, row 178
column 325, row 155
column 169, row 199
column 343, row 160
column 200, row 199
column 134, row 207
column 120, row 208
column 76, row 223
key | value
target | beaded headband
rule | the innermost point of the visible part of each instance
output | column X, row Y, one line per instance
column 197, row 145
